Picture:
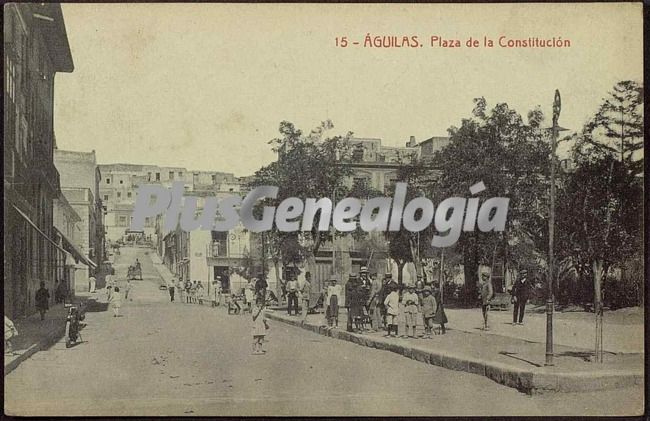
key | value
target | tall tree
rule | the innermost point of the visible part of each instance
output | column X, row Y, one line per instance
column 617, row 127
column 308, row 166
column 511, row 158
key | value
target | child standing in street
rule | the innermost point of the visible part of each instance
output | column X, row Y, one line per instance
column 428, row 311
column 392, row 311
column 259, row 325
column 116, row 302
column 127, row 289
column 410, row 302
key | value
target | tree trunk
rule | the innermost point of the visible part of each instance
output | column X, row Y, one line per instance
column 414, row 254
column 278, row 286
column 470, row 268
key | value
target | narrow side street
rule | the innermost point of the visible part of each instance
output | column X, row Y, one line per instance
column 165, row 358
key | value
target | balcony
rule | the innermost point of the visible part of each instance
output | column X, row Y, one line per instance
column 217, row 248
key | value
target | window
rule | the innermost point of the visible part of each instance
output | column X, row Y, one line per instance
column 128, row 194
column 105, row 197
column 148, row 176
column 180, row 174
column 171, row 175
column 214, row 178
column 122, row 221
column 119, row 194
column 157, row 176
column 108, row 181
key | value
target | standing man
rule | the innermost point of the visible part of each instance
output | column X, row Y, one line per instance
column 92, row 281
column 292, row 295
column 351, row 300
column 306, row 294
column 179, row 289
column 375, row 303
column 127, row 289
column 486, row 295
column 261, row 285
column 520, row 293
column 172, row 289
column 42, row 300
column 332, row 303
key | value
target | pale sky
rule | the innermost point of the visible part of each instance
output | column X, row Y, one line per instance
column 205, row 86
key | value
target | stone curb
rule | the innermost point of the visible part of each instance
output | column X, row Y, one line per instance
column 46, row 342
column 527, row 381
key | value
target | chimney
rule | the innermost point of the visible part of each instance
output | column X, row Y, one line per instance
column 411, row 143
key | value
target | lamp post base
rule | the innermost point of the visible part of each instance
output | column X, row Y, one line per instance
column 549, row 333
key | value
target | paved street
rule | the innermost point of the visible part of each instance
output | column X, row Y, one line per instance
column 165, row 358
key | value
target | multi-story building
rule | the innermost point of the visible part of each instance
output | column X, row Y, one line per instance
column 80, row 178
column 208, row 255
column 35, row 49
column 119, row 184
column 68, row 234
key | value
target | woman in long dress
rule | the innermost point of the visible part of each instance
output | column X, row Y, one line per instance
column 440, row 317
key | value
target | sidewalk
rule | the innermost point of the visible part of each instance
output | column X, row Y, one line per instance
column 568, row 329
column 163, row 271
column 513, row 362
column 35, row 334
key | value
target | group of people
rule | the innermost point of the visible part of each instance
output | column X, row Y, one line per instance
column 519, row 296
column 114, row 294
column 375, row 305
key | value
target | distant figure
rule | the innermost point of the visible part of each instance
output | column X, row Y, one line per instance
column 42, row 300
column 59, row 292
column 292, row 296
column 332, row 303
column 306, row 294
column 216, row 292
column 249, row 294
column 392, row 310
column 375, row 303
column 116, row 302
column 428, row 311
column 259, row 325
column 440, row 317
column 520, row 293
column 486, row 295
column 127, row 289
column 200, row 292
column 92, row 284
column 188, row 291
column 410, row 301
column 171, row 288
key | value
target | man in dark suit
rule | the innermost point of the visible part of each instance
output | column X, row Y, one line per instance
column 520, row 292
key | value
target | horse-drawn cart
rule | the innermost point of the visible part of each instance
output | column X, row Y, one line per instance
column 135, row 272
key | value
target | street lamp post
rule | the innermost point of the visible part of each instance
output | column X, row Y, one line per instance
column 557, row 106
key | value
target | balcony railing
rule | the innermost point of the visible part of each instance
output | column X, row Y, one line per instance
column 217, row 249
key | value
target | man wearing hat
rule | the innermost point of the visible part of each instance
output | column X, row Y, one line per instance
column 486, row 295
column 351, row 299
column 388, row 285
column 410, row 301
column 332, row 303
column 375, row 302
column 520, row 293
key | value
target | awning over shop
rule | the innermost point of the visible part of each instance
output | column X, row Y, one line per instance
column 29, row 221
column 78, row 255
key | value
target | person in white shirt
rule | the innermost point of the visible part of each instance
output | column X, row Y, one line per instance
column 116, row 302
column 333, row 296
column 292, row 296
column 392, row 311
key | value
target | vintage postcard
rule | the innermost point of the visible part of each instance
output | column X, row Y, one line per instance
column 219, row 209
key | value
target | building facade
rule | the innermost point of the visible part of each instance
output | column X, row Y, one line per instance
column 80, row 177
column 119, row 185
column 35, row 49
